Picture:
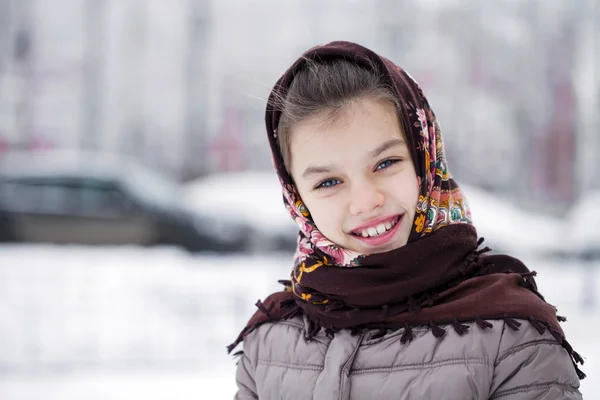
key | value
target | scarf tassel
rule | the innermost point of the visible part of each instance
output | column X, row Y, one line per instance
column 286, row 283
column 557, row 335
column 312, row 331
column 461, row 329
column 483, row 324
column 575, row 356
column 541, row 328
column 407, row 336
column 238, row 353
column 580, row 374
column 512, row 323
column 486, row 249
column 529, row 283
column 259, row 304
column 239, row 339
column 437, row 331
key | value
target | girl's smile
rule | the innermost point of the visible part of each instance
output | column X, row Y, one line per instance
column 379, row 231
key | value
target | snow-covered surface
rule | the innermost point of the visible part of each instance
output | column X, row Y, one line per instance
column 582, row 223
column 513, row 229
column 129, row 323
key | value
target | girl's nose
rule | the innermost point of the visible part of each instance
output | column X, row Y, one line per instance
column 365, row 199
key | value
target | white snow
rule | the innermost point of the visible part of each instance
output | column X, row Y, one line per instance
column 514, row 230
column 582, row 223
column 128, row 323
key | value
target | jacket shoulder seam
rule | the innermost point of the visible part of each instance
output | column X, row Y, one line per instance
column 534, row 386
column 417, row 366
column 298, row 326
column 515, row 349
column 311, row 367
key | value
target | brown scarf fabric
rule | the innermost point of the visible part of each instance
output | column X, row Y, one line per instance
column 440, row 279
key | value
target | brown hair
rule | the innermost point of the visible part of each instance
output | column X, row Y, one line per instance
column 323, row 89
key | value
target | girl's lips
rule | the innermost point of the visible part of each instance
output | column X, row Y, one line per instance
column 383, row 238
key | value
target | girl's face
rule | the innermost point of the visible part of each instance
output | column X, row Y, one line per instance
column 356, row 177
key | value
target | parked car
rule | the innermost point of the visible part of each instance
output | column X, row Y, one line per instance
column 251, row 198
column 57, row 196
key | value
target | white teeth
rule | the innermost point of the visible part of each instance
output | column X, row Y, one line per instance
column 377, row 230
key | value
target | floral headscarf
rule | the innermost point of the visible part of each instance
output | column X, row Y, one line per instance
column 440, row 202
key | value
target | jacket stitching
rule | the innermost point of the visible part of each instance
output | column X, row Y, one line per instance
column 451, row 361
column 311, row 367
column 518, row 348
column 301, row 328
column 500, row 343
column 346, row 369
column 535, row 386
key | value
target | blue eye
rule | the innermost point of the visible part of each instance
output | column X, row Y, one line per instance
column 329, row 183
column 386, row 163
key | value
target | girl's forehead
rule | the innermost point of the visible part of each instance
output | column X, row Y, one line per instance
column 360, row 126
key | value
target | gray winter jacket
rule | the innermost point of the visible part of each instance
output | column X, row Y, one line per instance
column 498, row 363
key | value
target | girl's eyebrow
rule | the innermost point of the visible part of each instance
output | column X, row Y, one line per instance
column 387, row 145
column 316, row 170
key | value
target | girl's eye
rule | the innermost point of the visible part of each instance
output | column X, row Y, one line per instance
column 328, row 183
column 386, row 163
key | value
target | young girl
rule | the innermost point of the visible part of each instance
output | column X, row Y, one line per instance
column 389, row 297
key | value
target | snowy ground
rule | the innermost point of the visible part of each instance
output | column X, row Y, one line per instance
column 127, row 323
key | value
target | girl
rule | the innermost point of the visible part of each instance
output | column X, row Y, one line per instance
column 389, row 297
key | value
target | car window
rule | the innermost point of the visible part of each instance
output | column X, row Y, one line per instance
column 82, row 198
column 20, row 197
column 104, row 201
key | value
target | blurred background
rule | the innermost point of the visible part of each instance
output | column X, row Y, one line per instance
column 140, row 218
